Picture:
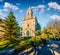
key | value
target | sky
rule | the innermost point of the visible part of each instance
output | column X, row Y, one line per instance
column 44, row 10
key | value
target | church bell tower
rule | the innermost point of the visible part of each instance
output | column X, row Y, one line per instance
column 29, row 24
column 29, row 13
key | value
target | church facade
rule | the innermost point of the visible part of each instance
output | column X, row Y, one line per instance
column 30, row 24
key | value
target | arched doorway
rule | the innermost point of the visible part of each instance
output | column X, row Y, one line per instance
column 28, row 33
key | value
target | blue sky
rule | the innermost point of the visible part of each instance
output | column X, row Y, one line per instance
column 44, row 10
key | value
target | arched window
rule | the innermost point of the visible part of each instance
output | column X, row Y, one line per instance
column 28, row 13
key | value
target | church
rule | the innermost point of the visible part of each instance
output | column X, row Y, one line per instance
column 29, row 24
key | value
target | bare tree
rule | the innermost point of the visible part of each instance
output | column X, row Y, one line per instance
column 54, row 25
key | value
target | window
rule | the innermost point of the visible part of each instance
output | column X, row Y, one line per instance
column 28, row 13
column 28, row 25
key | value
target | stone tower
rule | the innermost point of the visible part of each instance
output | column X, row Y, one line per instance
column 29, row 24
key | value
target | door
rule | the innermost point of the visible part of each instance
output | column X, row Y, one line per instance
column 28, row 33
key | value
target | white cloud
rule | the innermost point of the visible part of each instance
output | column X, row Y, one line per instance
column 10, row 6
column 39, row 8
column 54, row 5
column 20, row 10
column 2, row 10
column 48, row 8
column 55, row 17
column 5, row 9
column 1, row 13
column 1, row 0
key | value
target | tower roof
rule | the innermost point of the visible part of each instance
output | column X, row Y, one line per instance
column 29, row 14
column 29, row 9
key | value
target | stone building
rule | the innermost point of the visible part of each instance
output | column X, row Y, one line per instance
column 30, row 24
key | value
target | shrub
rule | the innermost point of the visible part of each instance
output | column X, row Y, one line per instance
column 57, row 36
column 25, row 44
column 38, row 32
column 38, row 41
column 44, row 36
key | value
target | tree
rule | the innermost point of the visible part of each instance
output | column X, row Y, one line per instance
column 20, row 31
column 43, row 36
column 48, row 32
column 54, row 27
column 1, row 28
column 38, row 32
column 11, row 27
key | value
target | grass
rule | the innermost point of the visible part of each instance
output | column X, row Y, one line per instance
column 1, row 47
column 5, row 44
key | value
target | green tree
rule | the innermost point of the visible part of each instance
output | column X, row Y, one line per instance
column 48, row 32
column 11, row 27
column 38, row 32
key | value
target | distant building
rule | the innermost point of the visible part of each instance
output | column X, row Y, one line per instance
column 30, row 24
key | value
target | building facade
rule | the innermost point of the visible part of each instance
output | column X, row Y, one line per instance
column 30, row 24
